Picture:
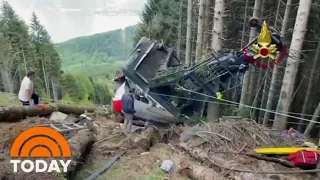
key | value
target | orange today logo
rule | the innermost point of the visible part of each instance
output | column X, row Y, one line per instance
column 41, row 144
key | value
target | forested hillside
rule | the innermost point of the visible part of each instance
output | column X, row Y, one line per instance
column 287, row 94
column 97, row 56
column 99, row 48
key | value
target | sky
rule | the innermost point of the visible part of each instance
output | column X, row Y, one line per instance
column 66, row 19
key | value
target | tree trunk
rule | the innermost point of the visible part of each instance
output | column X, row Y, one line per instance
column 199, row 45
column 219, row 9
column 79, row 145
column 276, row 68
column 189, row 33
column 17, row 113
column 44, row 74
column 47, row 79
column 24, row 61
column 194, row 31
column 264, row 97
column 6, row 78
column 306, row 104
column 313, row 120
column 54, row 90
column 256, row 99
column 253, row 34
column 206, row 44
column 292, row 64
column 244, row 94
column 259, row 88
column 179, row 31
column 213, row 113
column 207, row 27
column 247, row 85
column 244, row 23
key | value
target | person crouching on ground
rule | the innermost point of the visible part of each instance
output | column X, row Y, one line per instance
column 26, row 94
column 128, row 110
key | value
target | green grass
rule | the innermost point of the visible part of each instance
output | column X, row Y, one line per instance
column 7, row 99
column 158, row 174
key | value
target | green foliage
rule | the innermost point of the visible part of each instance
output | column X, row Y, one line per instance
column 47, row 63
column 227, row 110
column 93, row 61
column 99, row 48
column 159, row 174
column 70, row 88
column 17, row 54
column 160, row 21
column 83, row 89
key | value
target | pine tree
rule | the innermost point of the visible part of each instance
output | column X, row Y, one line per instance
column 160, row 21
column 47, row 62
column 16, row 31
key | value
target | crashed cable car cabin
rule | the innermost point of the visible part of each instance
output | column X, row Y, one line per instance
column 154, row 70
column 172, row 91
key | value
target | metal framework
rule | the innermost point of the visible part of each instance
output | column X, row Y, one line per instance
column 156, row 70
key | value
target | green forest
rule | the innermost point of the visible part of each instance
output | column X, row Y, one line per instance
column 79, row 70
column 97, row 56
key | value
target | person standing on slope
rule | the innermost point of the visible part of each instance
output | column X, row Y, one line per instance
column 26, row 94
column 128, row 110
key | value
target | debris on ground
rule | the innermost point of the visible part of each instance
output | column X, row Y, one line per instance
column 219, row 150
column 106, row 167
column 228, row 145
column 168, row 166
column 58, row 117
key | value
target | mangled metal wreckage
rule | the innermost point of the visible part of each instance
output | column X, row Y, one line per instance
column 167, row 90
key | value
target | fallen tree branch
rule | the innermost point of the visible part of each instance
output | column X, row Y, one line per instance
column 102, row 140
column 264, row 172
column 217, row 134
column 261, row 157
column 272, row 159
column 202, row 156
column 257, row 125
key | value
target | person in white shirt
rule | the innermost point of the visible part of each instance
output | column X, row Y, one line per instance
column 26, row 94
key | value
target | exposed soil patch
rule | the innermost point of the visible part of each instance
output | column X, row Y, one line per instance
column 137, row 164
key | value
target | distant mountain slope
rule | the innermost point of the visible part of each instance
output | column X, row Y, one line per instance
column 99, row 48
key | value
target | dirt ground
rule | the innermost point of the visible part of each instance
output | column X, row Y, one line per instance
column 137, row 163
column 8, row 132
